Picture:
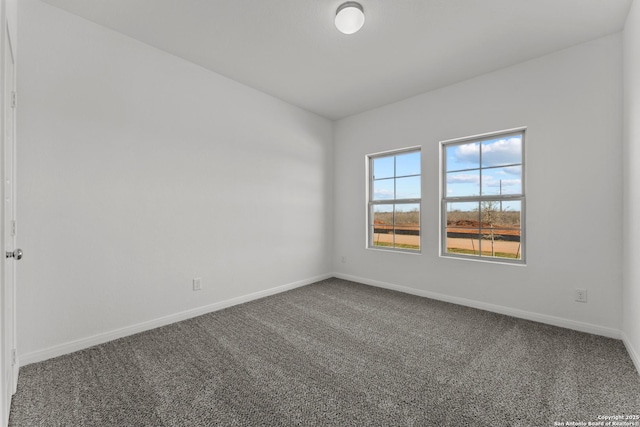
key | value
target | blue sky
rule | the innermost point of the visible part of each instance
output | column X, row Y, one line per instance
column 401, row 166
column 499, row 175
column 501, row 171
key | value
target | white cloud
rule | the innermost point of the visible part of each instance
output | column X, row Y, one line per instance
column 381, row 194
column 511, row 170
column 463, row 178
column 492, row 182
column 468, row 153
column 503, row 151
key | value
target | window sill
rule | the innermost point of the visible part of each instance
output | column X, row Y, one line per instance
column 485, row 260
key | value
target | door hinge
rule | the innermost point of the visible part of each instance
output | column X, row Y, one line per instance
column 13, row 227
column 14, row 99
column 14, row 357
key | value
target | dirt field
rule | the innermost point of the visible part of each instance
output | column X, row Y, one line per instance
column 499, row 246
column 401, row 239
column 460, row 237
column 454, row 244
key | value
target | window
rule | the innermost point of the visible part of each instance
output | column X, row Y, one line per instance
column 394, row 200
column 483, row 200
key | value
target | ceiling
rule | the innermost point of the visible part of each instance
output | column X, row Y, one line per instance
column 291, row 49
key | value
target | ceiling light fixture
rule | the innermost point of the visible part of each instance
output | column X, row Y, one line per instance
column 349, row 17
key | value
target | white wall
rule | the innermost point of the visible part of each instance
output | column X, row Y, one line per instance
column 631, row 223
column 139, row 171
column 571, row 102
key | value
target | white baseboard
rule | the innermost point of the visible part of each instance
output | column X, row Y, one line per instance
column 83, row 343
column 536, row 317
column 635, row 356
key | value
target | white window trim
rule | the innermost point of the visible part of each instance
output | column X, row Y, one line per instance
column 369, row 203
column 522, row 197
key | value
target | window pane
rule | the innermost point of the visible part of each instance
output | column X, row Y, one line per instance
column 463, row 184
column 512, row 213
column 503, row 151
column 462, row 156
column 484, row 196
column 466, row 244
column 382, row 227
column 407, row 226
column 502, row 181
column 383, row 167
column 462, row 230
column 463, row 215
column 383, row 215
column 501, row 214
column 408, row 188
column 501, row 229
column 383, row 189
column 501, row 243
column 408, row 164
column 394, row 178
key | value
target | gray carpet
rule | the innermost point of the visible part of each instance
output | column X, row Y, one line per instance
column 335, row 353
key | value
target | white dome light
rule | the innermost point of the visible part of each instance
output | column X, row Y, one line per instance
column 349, row 17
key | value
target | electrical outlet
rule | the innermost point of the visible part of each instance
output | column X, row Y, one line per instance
column 580, row 295
column 343, row 259
column 197, row 284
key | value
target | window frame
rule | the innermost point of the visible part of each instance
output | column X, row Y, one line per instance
column 371, row 203
column 520, row 197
